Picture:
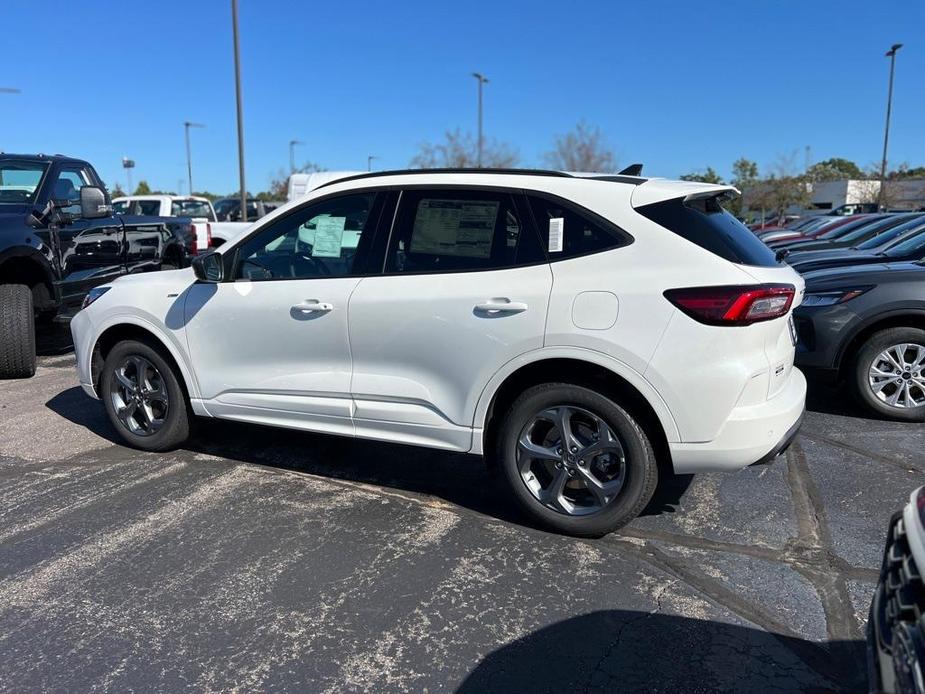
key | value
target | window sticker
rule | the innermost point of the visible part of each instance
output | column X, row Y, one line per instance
column 455, row 227
column 329, row 233
column 556, row 227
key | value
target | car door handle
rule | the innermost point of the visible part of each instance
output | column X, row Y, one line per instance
column 313, row 306
column 500, row 305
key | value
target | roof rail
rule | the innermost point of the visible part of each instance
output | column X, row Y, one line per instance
column 404, row 172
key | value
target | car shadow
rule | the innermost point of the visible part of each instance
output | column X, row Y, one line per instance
column 628, row 650
column 460, row 479
column 53, row 338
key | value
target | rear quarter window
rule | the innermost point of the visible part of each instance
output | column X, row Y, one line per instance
column 704, row 222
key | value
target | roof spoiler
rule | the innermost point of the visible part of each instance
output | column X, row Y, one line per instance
column 631, row 170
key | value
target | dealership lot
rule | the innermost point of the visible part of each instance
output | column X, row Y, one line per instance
column 267, row 558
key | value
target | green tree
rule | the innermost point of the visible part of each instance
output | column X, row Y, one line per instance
column 745, row 178
column 142, row 188
column 708, row 176
column 117, row 192
column 905, row 171
column 834, row 169
column 582, row 149
column 460, row 150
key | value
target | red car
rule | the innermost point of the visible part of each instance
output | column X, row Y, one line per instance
column 785, row 235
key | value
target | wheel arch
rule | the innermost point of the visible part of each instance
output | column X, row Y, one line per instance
column 899, row 318
column 29, row 267
column 579, row 367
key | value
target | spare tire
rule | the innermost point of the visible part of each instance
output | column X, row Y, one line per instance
column 17, row 332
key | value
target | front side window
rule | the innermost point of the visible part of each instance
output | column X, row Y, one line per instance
column 67, row 187
column 19, row 181
column 120, row 207
column 568, row 233
column 321, row 240
column 456, row 230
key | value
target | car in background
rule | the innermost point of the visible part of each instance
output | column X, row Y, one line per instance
column 903, row 242
column 229, row 209
column 864, row 326
column 811, row 229
column 849, row 235
column 854, row 208
column 210, row 231
column 301, row 184
column 895, row 625
column 575, row 306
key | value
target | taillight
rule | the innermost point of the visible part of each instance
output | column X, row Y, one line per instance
column 208, row 235
column 191, row 236
column 734, row 305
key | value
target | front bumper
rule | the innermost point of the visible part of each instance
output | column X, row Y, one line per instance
column 82, row 333
column 752, row 434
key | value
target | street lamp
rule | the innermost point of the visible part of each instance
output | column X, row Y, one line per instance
column 369, row 162
column 891, row 54
column 189, row 162
column 237, row 95
column 482, row 80
column 128, row 165
column 292, row 144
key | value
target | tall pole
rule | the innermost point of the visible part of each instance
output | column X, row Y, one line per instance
column 482, row 80
column 292, row 144
column 369, row 162
column 189, row 160
column 237, row 92
column 891, row 54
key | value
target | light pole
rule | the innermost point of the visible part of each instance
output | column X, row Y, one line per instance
column 891, row 54
column 369, row 162
column 189, row 162
column 128, row 165
column 482, row 80
column 292, row 144
column 237, row 94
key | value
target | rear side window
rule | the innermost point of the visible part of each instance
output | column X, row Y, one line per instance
column 149, row 208
column 568, row 232
column 704, row 222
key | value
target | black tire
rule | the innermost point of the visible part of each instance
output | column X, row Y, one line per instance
column 17, row 332
column 869, row 351
column 175, row 429
column 641, row 471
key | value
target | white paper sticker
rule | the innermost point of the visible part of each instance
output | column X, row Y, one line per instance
column 329, row 233
column 455, row 227
column 556, row 227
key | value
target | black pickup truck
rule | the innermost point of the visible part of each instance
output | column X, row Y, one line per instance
column 59, row 238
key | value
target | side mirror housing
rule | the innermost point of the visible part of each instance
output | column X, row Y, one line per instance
column 209, row 267
column 93, row 203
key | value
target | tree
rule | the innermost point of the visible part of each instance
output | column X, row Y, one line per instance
column 582, row 149
column 834, row 169
column 708, row 176
column 904, row 171
column 745, row 178
column 279, row 184
column 460, row 151
column 142, row 188
column 117, row 192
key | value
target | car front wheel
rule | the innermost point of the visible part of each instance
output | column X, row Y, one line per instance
column 575, row 460
column 889, row 373
column 143, row 397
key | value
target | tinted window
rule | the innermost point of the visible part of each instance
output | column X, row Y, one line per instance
column 704, row 222
column 842, row 229
column 321, row 240
column 568, row 232
column 120, row 207
column 67, row 187
column 456, row 231
column 872, row 230
column 912, row 245
column 19, row 180
column 890, row 235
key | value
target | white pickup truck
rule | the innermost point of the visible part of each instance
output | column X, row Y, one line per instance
column 209, row 232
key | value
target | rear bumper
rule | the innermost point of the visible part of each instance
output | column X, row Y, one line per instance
column 752, row 434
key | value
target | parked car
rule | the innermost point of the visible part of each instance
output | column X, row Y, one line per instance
column 903, row 242
column 895, row 629
column 854, row 208
column 59, row 238
column 211, row 231
column 546, row 320
column 816, row 227
column 229, row 209
column 849, row 235
column 865, row 326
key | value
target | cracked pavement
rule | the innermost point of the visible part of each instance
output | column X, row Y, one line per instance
column 266, row 559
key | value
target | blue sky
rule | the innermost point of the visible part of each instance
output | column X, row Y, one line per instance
column 676, row 85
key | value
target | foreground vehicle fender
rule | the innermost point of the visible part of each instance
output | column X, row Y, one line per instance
column 614, row 366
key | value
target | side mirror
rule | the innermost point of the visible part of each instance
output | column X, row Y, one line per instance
column 209, row 267
column 93, row 203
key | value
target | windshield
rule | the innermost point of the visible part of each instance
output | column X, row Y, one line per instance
column 887, row 236
column 191, row 208
column 913, row 245
column 225, row 207
column 20, row 180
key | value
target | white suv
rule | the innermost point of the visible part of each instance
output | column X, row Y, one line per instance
column 581, row 332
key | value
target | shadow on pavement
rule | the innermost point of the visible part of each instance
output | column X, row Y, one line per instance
column 625, row 650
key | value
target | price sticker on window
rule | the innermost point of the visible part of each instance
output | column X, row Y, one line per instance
column 556, row 227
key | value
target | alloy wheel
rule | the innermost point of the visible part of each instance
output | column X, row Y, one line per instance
column 139, row 396
column 571, row 460
column 897, row 376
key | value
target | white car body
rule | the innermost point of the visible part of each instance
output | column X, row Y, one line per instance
column 207, row 228
column 411, row 358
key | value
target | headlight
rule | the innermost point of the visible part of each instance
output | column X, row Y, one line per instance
column 832, row 297
column 93, row 295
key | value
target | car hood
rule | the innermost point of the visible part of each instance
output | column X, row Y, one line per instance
column 170, row 279
column 873, row 273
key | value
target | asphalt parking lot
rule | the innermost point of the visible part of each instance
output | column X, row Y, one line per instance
column 260, row 558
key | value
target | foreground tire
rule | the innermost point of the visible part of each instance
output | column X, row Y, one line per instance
column 889, row 374
column 575, row 460
column 143, row 397
column 17, row 332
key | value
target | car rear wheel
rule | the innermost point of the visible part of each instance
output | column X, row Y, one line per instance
column 575, row 460
column 889, row 373
column 143, row 397
column 17, row 332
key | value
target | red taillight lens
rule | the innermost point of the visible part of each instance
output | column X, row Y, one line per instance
column 734, row 305
column 208, row 235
